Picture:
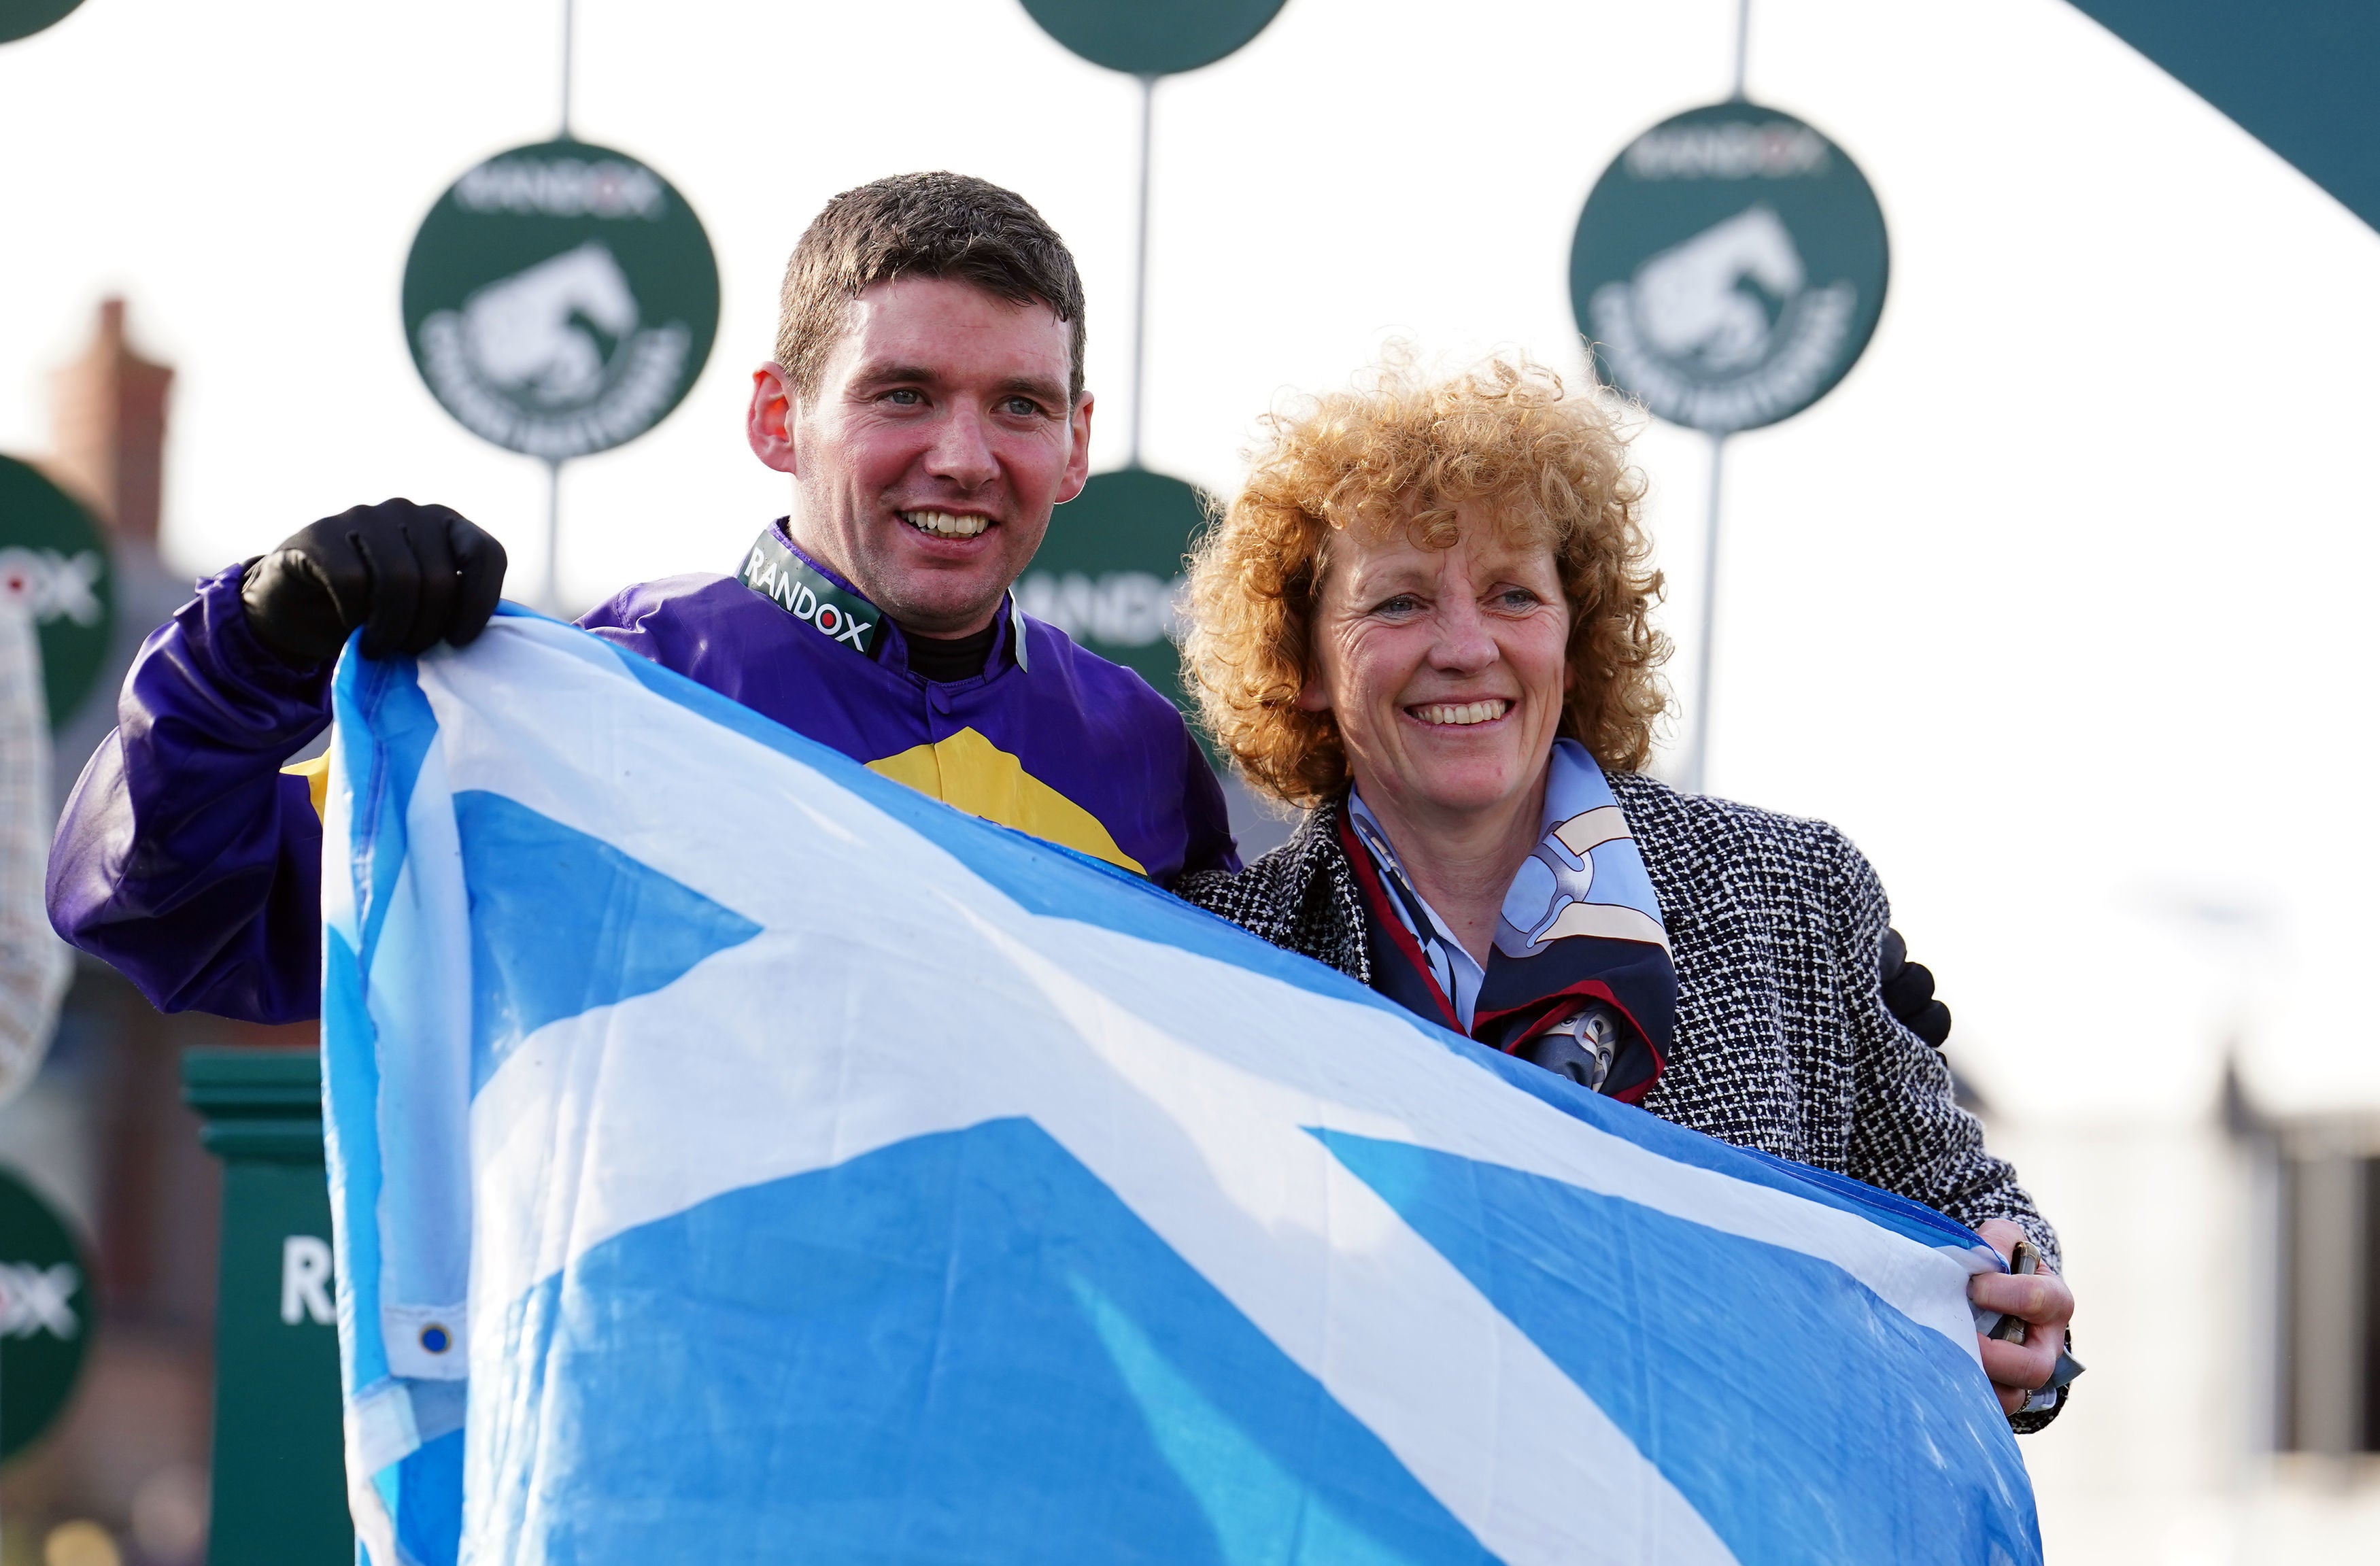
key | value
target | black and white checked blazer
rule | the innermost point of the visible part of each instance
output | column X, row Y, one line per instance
column 1783, row 1041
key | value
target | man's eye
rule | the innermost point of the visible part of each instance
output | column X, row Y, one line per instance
column 1020, row 408
column 904, row 397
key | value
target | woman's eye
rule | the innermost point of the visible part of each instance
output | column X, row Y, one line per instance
column 1517, row 599
column 1403, row 603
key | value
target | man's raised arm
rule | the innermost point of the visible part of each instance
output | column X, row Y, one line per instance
column 185, row 857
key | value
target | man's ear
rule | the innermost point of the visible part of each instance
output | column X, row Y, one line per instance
column 1078, row 460
column 768, row 425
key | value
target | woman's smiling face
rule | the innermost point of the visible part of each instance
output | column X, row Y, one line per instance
column 1444, row 668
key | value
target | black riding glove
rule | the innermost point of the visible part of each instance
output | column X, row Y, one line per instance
column 1909, row 991
column 409, row 574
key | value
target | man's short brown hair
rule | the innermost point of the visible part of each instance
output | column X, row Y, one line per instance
column 920, row 226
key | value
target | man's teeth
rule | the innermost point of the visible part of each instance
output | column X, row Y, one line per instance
column 944, row 524
column 1462, row 712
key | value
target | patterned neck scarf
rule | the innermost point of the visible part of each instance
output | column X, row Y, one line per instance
column 1580, row 924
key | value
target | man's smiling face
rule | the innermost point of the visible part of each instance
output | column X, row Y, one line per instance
column 941, row 435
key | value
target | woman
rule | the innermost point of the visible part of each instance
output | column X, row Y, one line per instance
column 1426, row 619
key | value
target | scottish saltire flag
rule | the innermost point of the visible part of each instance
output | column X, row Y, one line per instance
column 738, row 1157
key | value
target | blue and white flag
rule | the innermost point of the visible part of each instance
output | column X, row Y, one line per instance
column 738, row 1157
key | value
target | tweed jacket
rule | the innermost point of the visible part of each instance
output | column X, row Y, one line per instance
column 1783, row 1041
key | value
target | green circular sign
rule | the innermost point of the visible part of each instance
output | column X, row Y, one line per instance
column 1152, row 37
column 561, row 300
column 1110, row 573
column 47, row 1313
column 53, row 559
column 22, row 18
column 1729, row 268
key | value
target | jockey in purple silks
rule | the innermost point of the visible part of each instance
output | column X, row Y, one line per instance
column 927, row 400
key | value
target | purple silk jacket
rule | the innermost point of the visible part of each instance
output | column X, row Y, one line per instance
column 188, row 861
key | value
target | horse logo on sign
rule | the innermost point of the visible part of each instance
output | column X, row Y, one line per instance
column 561, row 300
column 1729, row 268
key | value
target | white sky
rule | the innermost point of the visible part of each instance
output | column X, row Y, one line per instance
column 2052, row 604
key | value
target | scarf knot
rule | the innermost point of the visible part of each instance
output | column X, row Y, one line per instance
column 1579, row 977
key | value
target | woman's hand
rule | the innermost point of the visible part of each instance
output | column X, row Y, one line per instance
column 2042, row 1300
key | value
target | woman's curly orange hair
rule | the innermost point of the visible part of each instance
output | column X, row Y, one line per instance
column 1401, row 451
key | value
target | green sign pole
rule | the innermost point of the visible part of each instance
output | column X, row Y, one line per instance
column 53, row 560
column 1728, row 270
column 1110, row 573
column 1148, row 40
column 47, row 1314
column 280, row 1472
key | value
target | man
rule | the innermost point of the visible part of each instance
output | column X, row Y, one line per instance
column 927, row 400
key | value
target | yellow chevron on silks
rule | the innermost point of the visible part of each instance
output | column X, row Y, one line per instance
column 317, row 773
column 969, row 771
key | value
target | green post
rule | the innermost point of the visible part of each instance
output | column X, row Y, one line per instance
column 280, row 1484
